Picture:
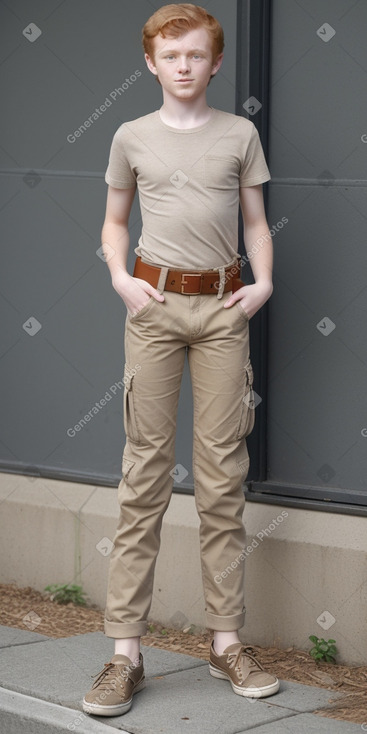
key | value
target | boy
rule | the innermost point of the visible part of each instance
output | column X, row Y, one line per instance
column 192, row 166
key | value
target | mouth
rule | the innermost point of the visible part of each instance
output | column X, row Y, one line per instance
column 182, row 81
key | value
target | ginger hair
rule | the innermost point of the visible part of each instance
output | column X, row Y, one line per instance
column 172, row 21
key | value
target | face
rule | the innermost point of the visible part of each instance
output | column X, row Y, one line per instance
column 185, row 64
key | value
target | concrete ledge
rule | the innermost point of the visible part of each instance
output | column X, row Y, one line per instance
column 12, row 636
column 305, row 570
column 24, row 714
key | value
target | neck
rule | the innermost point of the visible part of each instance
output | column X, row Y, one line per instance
column 184, row 114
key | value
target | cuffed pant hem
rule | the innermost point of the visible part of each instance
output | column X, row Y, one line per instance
column 121, row 630
column 225, row 624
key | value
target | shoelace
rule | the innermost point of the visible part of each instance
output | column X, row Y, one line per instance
column 235, row 660
column 108, row 674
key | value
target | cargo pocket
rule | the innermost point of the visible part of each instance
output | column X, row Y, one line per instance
column 247, row 418
column 130, row 424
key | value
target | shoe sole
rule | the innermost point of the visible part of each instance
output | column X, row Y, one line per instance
column 118, row 709
column 249, row 692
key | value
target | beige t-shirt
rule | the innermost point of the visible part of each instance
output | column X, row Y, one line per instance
column 188, row 183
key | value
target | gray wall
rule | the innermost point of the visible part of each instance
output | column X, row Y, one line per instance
column 317, row 421
column 51, row 225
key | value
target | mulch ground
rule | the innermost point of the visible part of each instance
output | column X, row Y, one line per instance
column 65, row 620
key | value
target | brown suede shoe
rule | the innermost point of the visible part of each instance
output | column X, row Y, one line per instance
column 112, row 691
column 245, row 674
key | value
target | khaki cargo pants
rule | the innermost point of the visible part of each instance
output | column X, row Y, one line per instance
column 217, row 344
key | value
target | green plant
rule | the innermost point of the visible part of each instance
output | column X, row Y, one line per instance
column 323, row 650
column 65, row 593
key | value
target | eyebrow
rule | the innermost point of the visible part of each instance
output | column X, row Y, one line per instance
column 174, row 51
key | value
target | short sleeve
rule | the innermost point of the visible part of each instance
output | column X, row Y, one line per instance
column 119, row 173
column 254, row 170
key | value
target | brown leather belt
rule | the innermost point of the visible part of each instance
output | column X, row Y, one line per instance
column 188, row 282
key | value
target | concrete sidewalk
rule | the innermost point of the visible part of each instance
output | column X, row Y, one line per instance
column 43, row 681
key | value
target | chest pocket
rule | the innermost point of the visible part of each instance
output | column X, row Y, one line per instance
column 221, row 172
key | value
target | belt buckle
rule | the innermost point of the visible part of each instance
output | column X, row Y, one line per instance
column 184, row 282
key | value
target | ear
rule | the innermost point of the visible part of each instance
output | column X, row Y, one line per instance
column 218, row 63
column 150, row 64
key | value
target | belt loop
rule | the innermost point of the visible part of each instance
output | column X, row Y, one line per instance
column 162, row 280
column 222, row 281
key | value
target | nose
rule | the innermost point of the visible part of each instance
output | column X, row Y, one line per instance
column 183, row 65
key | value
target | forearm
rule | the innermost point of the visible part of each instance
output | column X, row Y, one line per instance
column 115, row 245
column 259, row 249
